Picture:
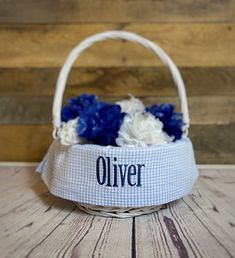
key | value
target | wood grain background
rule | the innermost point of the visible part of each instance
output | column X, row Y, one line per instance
column 36, row 37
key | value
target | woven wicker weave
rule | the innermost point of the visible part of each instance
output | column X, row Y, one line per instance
column 117, row 212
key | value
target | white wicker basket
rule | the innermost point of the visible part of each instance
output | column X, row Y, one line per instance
column 153, row 176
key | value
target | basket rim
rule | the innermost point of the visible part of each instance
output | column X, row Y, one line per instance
column 90, row 146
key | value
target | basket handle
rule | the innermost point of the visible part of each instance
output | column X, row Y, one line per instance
column 88, row 42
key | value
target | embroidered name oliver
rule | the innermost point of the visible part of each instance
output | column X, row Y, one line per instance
column 117, row 174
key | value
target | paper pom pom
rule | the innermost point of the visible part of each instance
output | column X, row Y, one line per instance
column 131, row 105
column 141, row 130
column 68, row 114
column 171, row 120
column 68, row 134
column 100, row 123
column 77, row 105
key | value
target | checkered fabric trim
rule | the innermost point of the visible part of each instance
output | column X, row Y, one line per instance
column 121, row 177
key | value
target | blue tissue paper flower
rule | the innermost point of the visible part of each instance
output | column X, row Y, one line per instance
column 172, row 121
column 77, row 105
column 100, row 123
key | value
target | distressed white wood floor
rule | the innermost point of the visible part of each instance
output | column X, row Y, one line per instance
column 33, row 223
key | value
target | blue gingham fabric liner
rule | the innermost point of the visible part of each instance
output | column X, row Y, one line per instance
column 169, row 173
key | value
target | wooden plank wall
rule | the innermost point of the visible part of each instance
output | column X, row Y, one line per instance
column 36, row 37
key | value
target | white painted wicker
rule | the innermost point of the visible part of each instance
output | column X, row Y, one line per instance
column 117, row 212
column 68, row 171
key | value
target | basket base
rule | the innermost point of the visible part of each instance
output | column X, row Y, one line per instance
column 117, row 212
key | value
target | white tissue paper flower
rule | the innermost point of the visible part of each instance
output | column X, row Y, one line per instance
column 131, row 105
column 68, row 134
column 141, row 130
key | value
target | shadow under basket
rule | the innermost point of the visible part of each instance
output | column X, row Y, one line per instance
column 119, row 181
